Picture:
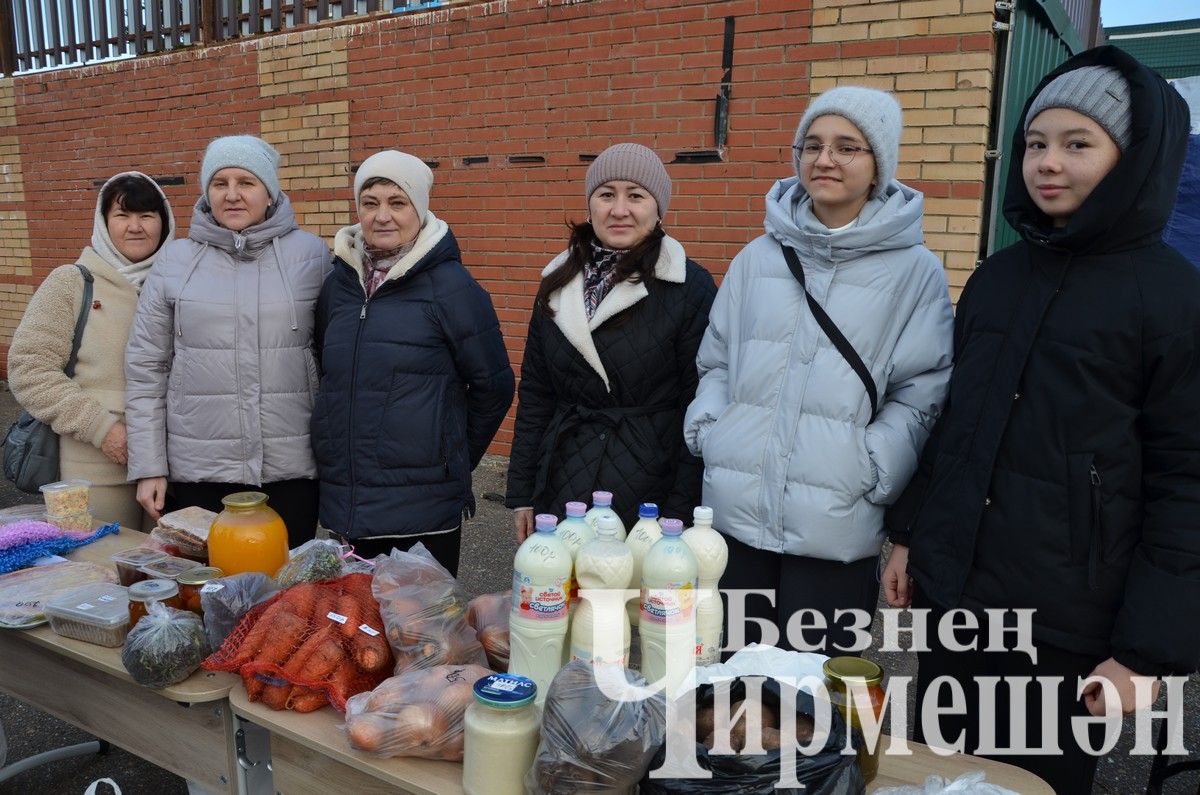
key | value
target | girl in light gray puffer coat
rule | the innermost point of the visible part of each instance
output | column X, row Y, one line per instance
column 799, row 463
column 220, row 372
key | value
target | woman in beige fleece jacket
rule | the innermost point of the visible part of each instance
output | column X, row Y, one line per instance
column 132, row 222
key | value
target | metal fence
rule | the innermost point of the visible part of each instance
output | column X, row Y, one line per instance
column 44, row 34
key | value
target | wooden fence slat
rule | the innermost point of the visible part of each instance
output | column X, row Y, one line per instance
column 37, row 37
column 255, row 17
column 176, row 23
column 156, row 26
column 103, row 34
column 119, row 23
column 276, row 15
column 8, row 39
column 234, row 8
column 54, row 44
column 72, row 41
column 322, row 10
column 87, row 38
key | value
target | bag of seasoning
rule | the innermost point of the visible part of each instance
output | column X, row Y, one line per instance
column 165, row 647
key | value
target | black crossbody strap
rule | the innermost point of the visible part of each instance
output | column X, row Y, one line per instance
column 81, row 321
column 832, row 331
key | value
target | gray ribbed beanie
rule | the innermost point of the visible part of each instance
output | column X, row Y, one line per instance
column 635, row 163
column 1099, row 92
column 242, row 151
column 875, row 113
column 409, row 172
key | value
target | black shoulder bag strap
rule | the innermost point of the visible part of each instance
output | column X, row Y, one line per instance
column 81, row 321
column 832, row 331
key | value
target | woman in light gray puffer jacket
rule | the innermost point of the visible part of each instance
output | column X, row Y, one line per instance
column 797, row 470
column 220, row 372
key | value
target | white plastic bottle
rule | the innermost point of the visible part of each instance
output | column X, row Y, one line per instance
column 538, row 621
column 574, row 530
column 600, row 626
column 712, row 554
column 641, row 537
column 668, row 623
column 602, row 506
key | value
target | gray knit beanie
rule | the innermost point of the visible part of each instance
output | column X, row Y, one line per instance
column 242, row 151
column 408, row 172
column 1099, row 92
column 635, row 163
column 875, row 113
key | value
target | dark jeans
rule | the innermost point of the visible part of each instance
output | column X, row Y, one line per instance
column 1069, row 771
column 443, row 546
column 800, row 583
column 294, row 500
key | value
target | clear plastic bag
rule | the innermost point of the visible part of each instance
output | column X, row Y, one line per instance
column 313, row 561
column 591, row 743
column 225, row 600
column 488, row 616
column 424, row 612
column 418, row 713
column 966, row 784
column 165, row 647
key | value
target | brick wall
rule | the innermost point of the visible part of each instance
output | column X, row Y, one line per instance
column 557, row 80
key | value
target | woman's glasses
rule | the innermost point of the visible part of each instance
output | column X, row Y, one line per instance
column 840, row 154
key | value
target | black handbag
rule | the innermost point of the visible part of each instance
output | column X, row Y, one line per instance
column 832, row 331
column 30, row 446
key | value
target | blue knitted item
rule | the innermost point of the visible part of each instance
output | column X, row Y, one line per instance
column 21, row 556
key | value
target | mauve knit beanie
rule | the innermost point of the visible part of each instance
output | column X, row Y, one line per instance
column 635, row 163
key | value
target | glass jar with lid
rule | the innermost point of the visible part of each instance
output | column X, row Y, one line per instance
column 851, row 681
column 141, row 594
column 500, row 735
column 192, row 582
column 247, row 536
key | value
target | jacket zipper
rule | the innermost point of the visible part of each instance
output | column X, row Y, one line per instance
column 1097, row 537
column 362, row 320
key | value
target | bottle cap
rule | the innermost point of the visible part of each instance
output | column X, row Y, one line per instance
column 702, row 513
column 602, row 499
column 505, row 691
column 545, row 522
column 576, row 508
column 672, row 527
column 648, row 510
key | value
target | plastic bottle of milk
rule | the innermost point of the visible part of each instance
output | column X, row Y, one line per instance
column 641, row 537
column 575, row 531
column 538, row 621
column 712, row 553
column 668, row 623
column 600, row 626
column 602, row 506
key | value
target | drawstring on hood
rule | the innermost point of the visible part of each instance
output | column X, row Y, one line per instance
column 106, row 250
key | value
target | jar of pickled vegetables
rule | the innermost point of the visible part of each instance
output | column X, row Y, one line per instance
column 247, row 536
column 851, row 681
column 192, row 582
column 141, row 594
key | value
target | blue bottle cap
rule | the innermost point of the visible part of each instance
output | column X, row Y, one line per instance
column 505, row 691
column 648, row 510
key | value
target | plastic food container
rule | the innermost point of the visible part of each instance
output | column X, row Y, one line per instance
column 192, row 582
column 97, row 613
column 130, row 561
column 141, row 594
column 67, row 497
column 18, row 513
column 169, row 568
column 72, row 523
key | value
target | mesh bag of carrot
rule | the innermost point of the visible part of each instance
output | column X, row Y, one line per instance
column 309, row 645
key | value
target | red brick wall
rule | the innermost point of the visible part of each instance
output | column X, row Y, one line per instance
column 555, row 79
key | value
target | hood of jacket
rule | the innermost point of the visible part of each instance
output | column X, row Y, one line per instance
column 250, row 241
column 888, row 222
column 103, row 247
column 348, row 246
column 1131, row 205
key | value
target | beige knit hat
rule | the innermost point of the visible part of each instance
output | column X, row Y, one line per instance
column 635, row 163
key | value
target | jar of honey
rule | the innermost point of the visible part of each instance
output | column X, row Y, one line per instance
column 247, row 536
column 191, row 583
column 855, row 688
column 141, row 594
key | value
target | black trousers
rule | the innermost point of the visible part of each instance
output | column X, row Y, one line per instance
column 800, row 583
column 1072, row 770
column 295, row 501
column 443, row 546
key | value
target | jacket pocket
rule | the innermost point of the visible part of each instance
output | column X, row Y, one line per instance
column 1085, row 496
column 412, row 423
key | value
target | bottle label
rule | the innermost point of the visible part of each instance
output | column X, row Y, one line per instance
column 541, row 601
column 673, row 603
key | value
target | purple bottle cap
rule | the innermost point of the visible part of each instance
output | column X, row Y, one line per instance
column 576, row 509
column 545, row 522
column 602, row 499
column 672, row 527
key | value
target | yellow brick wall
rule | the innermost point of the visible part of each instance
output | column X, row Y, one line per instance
column 15, row 258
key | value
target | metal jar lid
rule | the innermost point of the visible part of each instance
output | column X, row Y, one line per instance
column 153, row 590
column 199, row 576
column 841, row 670
column 244, row 499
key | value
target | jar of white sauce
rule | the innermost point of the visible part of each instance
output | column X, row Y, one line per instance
column 500, row 736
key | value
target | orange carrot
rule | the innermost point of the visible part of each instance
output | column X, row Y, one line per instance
column 306, row 699
column 371, row 652
column 276, row 696
column 347, row 605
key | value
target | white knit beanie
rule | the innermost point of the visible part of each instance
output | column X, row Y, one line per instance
column 242, row 151
column 408, row 172
column 875, row 113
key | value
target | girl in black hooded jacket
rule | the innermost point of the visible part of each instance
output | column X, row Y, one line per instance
column 1064, row 474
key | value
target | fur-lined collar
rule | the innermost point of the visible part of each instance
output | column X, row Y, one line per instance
column 571, row 317
column 348, row 246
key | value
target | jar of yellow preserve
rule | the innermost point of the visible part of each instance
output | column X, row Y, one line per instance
column 863, row 678
column 247, row 536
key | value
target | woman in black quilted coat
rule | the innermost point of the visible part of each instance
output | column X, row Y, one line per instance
column 610, row 360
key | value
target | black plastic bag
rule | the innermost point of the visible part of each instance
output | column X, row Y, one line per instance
column 828, row 772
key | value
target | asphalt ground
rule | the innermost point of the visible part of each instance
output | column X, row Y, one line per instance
column 488, row 549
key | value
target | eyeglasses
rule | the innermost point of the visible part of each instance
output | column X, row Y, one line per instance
column 840, row 154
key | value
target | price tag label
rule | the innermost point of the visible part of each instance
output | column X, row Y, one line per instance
column 211, row 587
column 369, row 630
column 338, row 617
column 86, row 606
column 106, row 598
